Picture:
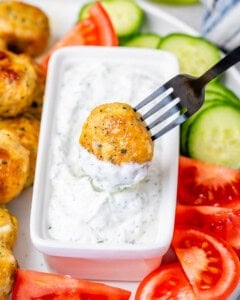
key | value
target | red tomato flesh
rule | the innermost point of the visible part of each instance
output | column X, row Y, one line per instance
column 97, row 30
column 210, row 264
column 220, row 221
column 104, row 30
column 31, row 285
column 167, row 282
column 201, row 183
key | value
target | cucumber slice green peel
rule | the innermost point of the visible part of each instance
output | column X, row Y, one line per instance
column 214, row 136
column 218, row 96
column 126, row 16
column 195, row 54
column 144, row 40
column 212, row 99
column 184, row 132
column 217, row 87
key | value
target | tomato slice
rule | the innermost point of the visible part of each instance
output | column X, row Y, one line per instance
column 167, row 282
column 97, row 30
column 210, row 264
column 220, row 221
column 70, row 296
column 201, row 183
column 104, row 31
column 36, row 285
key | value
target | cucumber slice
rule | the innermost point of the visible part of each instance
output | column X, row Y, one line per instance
column 195, row 54
column 214, row 136
column 145, row 40
column 83, row 13
column 126, row 16
column 212, row 98
column 215, row 94
column 220, row 89
column 184, row 132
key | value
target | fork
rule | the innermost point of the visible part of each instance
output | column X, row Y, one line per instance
column 181, row 96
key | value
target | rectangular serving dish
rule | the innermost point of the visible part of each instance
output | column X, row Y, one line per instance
column 102, row 261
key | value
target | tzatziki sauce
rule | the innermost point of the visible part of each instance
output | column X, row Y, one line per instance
column 82, row 209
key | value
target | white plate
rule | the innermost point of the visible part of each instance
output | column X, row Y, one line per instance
column 62, row 15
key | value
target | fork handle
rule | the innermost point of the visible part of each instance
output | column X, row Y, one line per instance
column 228, row 61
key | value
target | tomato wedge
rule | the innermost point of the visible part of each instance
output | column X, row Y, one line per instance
column 97, row 30
column 220, row 221
column 210, row 264
column 31, row 285
column 201, row 183
column 104, row 32
column 167, row 282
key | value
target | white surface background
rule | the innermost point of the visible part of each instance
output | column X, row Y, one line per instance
column 190, row 14
column 28, row 257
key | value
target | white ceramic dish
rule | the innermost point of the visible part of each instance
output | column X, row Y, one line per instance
column 101, row 261
column 157, row 21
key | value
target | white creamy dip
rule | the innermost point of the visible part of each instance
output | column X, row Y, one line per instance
column 108, row 176
column 79, row 210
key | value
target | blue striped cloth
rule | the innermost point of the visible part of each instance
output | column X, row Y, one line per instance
column 221, row 22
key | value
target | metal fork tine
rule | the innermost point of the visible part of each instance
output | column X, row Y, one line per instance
column 179, row 120
column 170, row 112
column 151, row 97
column 163, row 101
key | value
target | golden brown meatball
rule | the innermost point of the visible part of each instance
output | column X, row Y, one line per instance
column 18, row 83
column 8, row 228
column 35, row 108
column 8, row 263
column 8, row 268
column 14, row 166
column 24, row 27
column 27, row 131
column 115, row 132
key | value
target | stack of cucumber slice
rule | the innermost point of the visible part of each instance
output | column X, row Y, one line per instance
column 213, row 133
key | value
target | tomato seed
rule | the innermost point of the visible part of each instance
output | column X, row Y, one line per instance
column 213, row 259
column 205, row 244
column 172, row 282
column 213, row 270
column 205, row 287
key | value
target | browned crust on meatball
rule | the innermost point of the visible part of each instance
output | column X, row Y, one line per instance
column 36, row 106
column 27, row 131
column 8, row 228
column 14, row 166
column 24, row 27
column 115, row 132
column 18, row 83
